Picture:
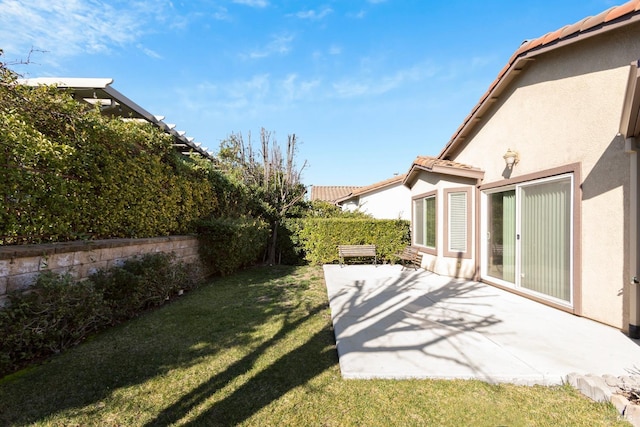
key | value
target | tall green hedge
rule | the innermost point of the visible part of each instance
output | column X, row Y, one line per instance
column 319, row 237
column 228, row 244
column 69, row 172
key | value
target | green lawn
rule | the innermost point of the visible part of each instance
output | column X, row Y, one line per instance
column 257, row 348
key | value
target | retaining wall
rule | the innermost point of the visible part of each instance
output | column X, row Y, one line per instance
column 20, row 265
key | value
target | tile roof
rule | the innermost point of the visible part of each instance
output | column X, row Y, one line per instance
column 398, row 179
column 427, row 162
column 604, row 21
column 437, row 165
column 331, row 193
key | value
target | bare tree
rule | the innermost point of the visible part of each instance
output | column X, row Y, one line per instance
column 276, row 178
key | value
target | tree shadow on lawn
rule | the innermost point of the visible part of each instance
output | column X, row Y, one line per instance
column 176, row 336
column 293, row 369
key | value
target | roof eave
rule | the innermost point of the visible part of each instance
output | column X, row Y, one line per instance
column 414, row 171
column 379, row 186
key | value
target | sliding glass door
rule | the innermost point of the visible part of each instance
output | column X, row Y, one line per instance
column 528, row 237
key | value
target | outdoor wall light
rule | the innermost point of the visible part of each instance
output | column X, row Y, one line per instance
column 511, row 158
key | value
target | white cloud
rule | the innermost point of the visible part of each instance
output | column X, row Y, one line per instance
column 294, row 89
column 222, row 14
column 253, row 3
column 279, row 45
column 313, row 14
column 357, row 15
column 251, row 97
column 373, row 86
column 335, row 50
column 72, row 27
column 149, row 52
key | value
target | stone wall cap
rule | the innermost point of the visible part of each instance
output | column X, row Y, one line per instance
column 40, row 249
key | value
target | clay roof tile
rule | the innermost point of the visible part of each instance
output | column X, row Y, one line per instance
column 331, row 193
column 622, row 10
column 535, row 43
column 596, row 20
column 431, row 162
column 553, row 36
column 573, row 28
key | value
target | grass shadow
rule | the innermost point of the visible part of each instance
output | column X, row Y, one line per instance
column 289, row 371
column 225, row 314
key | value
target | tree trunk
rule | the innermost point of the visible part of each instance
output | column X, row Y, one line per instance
column 273, row 242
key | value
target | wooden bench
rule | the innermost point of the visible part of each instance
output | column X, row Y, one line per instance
column 410, row 256
column 357, row 251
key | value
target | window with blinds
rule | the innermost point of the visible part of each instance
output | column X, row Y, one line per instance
column 424, row 221
column 457, row 217
column 457, row 222
column 418, row 222
column 430, row 221
column 528, row 231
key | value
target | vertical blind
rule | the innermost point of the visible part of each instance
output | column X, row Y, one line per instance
column 418, row 216
column 430, row 222
column 425, row 221
column 509, row 236
column 545, row 264
column 458, row 222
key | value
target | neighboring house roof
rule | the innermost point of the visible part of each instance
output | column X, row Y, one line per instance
column 331, row 193
column 98, row 91
column 436, row 165
column 609, row 19
column 398, row 179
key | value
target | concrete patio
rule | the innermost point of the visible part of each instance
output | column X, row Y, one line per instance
column 391, row 323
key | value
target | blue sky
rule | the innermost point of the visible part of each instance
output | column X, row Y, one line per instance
column 366, row 85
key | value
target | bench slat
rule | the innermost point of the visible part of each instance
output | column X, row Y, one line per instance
column 352, row 251
column 410, row 255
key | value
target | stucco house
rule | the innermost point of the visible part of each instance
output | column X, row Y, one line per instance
column 537, row 190
column 388, row 199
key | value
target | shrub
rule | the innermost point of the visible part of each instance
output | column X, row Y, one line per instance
column 56, row 313
column 320, row 237
column 141, row 283
column 228, row 244
column 290, row 250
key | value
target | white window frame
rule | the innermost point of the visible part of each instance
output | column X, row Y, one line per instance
column 423, row 197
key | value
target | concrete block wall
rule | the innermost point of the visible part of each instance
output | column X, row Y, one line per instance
column 20, row 265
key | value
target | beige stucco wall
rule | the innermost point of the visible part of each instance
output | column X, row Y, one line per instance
column 439, row 263
column 566, row 108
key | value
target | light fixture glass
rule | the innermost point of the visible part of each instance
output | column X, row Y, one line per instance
column 511, row 158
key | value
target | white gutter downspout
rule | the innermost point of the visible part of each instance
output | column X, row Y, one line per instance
column 634, row 237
